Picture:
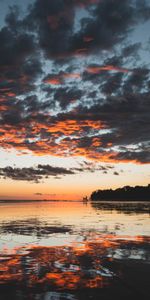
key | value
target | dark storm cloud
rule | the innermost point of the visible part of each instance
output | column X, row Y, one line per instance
column 54, row 21
column 108, row 24
column 66, row 96
column 113, row 84
column 20, row 111
column 126, row 115
column 137, row 80
column 19, row 59
column 14, row 48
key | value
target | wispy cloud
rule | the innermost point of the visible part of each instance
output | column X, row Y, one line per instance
column 40, row 172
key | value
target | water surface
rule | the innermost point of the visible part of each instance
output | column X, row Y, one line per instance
column 69, row 250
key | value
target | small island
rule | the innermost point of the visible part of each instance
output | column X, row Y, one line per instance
column 127, row 193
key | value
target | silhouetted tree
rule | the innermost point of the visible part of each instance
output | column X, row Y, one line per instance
column 137, row 193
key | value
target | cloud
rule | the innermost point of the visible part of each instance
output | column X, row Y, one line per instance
column 43, row 194
column 74, row 84
column 97, row 132
column 66, row 96
column 116, row 173
column 56, row 79
column 38, row 194
column 34, row 174
column 108, row 24
column 97, row 69
column 141, row 155
column 40, row 172
column 89, row 166
column 20, row 65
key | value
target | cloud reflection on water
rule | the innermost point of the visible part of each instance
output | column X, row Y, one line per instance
column 98, row 257
column 81, row 265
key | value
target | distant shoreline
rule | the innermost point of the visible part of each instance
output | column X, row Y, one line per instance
column 22, row 201
column 127, row 193
column 79, row 201
column 121, row 201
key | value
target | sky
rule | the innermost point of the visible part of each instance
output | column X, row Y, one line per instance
column 74, row 97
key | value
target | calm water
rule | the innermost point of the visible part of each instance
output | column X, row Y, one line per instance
column 69, row 250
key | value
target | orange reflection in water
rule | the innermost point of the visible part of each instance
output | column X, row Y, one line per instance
column 70, row 267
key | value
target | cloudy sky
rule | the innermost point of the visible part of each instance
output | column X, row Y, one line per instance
column 74, row 97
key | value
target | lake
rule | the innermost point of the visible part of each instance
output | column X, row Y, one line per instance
column 71, row 250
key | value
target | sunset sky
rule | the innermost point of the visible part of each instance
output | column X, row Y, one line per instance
column 74, row 97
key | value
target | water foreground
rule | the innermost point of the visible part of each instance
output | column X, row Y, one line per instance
column 59, row 250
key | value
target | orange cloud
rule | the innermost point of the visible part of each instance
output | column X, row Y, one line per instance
column 71, row 75
column 62, row 138
column 97, row 69
column 53, row 81
column 69, row 127
column 58, row 79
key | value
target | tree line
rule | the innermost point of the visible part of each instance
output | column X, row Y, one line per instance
column 127, row 193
